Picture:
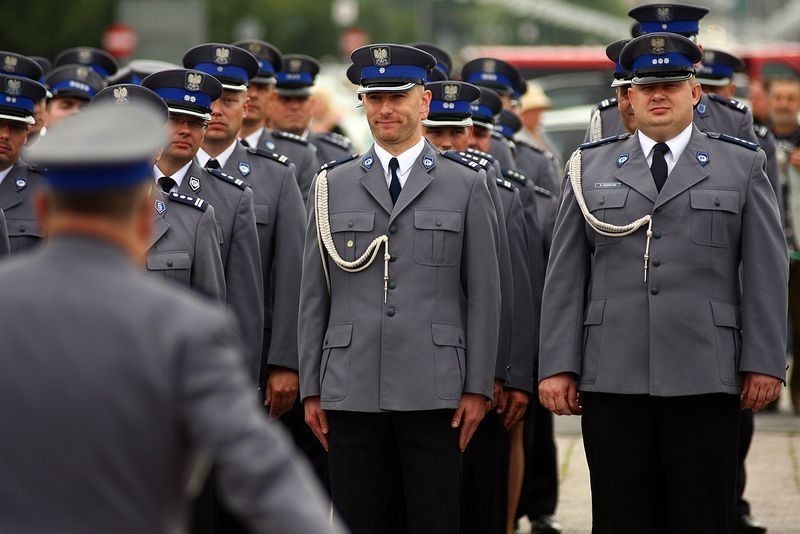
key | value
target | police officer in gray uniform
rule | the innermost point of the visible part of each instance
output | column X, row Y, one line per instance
column 146, row 375
column 256, row 134
column 188, row 94
column 394, row 375
column 18, row 180
column 184, row 247
column 535, row 162
column 664, row 308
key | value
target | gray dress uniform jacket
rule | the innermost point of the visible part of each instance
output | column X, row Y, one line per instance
column 414, row 352
column 714, row 113
column 16, row 200
column 127, row 378
column 331, row 146
column 299, row 151
column 539, row 165
column 280, row 220
column 232, row 200
column 5, row 247
column 697, row 323
column 184, row 247
column 766, row 140
column 604, row 121
column 501, row 149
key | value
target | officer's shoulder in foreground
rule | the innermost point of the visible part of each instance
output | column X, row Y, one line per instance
column 367, row 162
column 270, row 155
column 731, row 103
column 463, row 161
column 280, row 134
column 227, row 178
column 733, row 140
column 187, row 200
column 516, row 177
column 604, row 141
column 335, row 139
column 608, row 103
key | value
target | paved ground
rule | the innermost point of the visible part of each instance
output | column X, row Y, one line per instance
column 773, row 467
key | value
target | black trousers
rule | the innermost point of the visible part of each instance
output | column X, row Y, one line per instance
column 746, row 425
column 539, row 495
column 662, row 464
column 371, row 455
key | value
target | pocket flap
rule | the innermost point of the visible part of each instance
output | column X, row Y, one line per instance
column 23, row 227
column 448, row 334
column 438, row 220
column 262, row 213
column 726, row 314
column 594, row 312
column 599, row 199
column 715, row 199
column 161, row 261
column 352, row 221
column 338, row 336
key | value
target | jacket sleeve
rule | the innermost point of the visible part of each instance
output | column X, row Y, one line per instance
column 208, row 276
column 5, row 247
column 286, row 268
column 765, row 278
column 506, row 276
column 243, row 280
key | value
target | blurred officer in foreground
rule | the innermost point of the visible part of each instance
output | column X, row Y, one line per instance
column 659, row 355
column 145, row 374
column 257, row 129
column 389, row 384
column 18, row 180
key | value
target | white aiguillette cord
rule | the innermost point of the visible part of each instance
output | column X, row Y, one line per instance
column 325, row 239
column 599, row 226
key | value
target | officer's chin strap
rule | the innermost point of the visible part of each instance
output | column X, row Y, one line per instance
column 599, row 226
column 324, row 238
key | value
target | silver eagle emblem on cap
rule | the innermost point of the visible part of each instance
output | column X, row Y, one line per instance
column 193, row 81
column 664, row 13
column 222, row 55
column 658, row 45
column 13, row 87
column 708, row 56
column 84, row 56
column 121, row 95
column 295, row 65
column 82, row 73
column 9, row 63
column 450, row 92
column 489, row 65
column 380, row 57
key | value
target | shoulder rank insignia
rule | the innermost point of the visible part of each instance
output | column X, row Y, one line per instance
column 604, row 141
column 505, row 184
column 198, row 203
column 280, row 134
column 238, row 182
column 483, row 162
column 607, row 104
column 280, row 158
column 517, row 176
column 542, row 191
column 458, row 158
column 336, row 140
column 734, row 140
column 730, row 102
column 481, row 154
column 761, row 130
column 331, row 164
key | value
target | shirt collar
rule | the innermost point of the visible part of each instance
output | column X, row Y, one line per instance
column 405, row 160
column 177, row 176
column 253, row 138
column 222, row 159
column 676, row 145
column 4, row 173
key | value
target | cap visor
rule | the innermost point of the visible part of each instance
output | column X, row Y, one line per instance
column 456, row 123
column 647, row 80
column 718, row 82
column 263, row 80
column 385, row 88
column 620, row 83
column 179, row 111
column 300, row 91
column 26, row 120
column 487, row 125
column 231, row 87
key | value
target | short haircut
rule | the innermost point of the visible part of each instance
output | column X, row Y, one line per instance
column 117, row 204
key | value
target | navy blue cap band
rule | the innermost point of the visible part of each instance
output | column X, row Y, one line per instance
column 719, row 71
column 458, row 107
column 265, row 68
column 96, row 177
column 73, row 84
column 227, row 71
column 490, row 77
column 671, row 59
column 17, row 102
column 674, row 26
column 175, row 94
column 100, row 70
column 482, row 111
column 403, row 72
column 507, row 131
column 295, row 78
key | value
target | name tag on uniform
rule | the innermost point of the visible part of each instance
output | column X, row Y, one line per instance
column 607, row 185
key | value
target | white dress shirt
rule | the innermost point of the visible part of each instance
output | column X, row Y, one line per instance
column 4, row 173
column 406, row 161
column 676, row 146
column 202, row 156
column 253, row 138
column 177, row 176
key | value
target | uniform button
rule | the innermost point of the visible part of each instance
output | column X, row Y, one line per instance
column 657, row 234
column 654, row 291
column 390, row 312
column 438, row 223
column 349, row 224
column 717, row 202
column 459, row 340
column 169, row 263
column 22, row 229
column 392, row 258
column 656, row 263
column 392, row 229
column 659, row 209
column 392, row 285
column 602, row 201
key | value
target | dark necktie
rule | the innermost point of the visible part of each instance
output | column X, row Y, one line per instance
column 394, row 185
column 212, row 164
column 166, row 183
column 659, row 166
column 244, row 143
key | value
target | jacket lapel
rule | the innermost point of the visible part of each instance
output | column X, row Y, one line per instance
column 160, row 225
column 374, row 180
column 688, row 170
column 418, row 180
column 195, row 175
column 9, row 193
column 634, row 172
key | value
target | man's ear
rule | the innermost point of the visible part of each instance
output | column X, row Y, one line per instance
column 425, row 103
column 696, row 92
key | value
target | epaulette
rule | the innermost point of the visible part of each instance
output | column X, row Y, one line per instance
column 735, row 140
column 506, row 184
column 542, row 191
column 180, row 198
column 607, row 103
column 761, row 130
column 483, row 162
column 458, row 158
column 604, row 141
column 337, row 140
column 537, row 148
column 280, row 158
column 238, row 182
column 730, row 102
column 290, row 136
column 334, row 163
column 481, row 154
column 517, row 176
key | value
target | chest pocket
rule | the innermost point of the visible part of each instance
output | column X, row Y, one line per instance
column 437, row 237
column 23, row 228
column 351, row 232
column 608, row 205
column 172, row 265
column 713, row 213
